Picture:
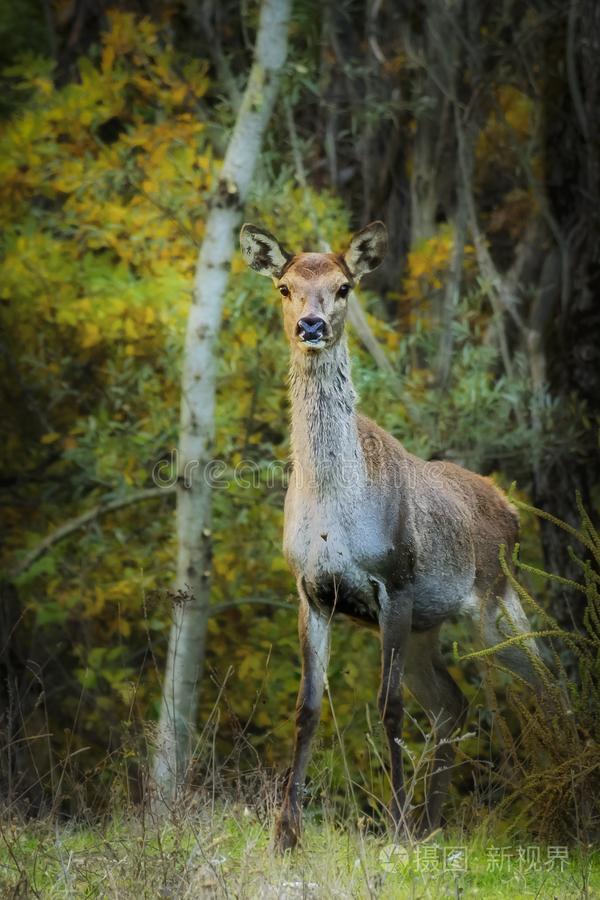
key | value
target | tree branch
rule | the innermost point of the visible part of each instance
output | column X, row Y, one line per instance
column 452, row 293
column 248, row 601
column 72, row 525
column 572, row 77
column 502, row 298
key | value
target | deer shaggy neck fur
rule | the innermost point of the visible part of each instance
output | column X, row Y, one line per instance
column 326, row 452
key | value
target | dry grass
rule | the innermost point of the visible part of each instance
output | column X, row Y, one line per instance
column 218, row 841
column 208, row 849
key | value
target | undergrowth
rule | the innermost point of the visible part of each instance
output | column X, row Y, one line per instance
column 524, row 824
column 225, row 851
column 550, row 773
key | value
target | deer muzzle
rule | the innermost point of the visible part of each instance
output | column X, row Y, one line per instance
column 312, row 330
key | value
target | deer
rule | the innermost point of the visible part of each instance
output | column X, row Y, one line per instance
column 394, row 542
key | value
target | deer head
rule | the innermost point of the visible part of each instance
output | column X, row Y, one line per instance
column 314, row 287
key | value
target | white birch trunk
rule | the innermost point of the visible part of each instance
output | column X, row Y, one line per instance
column 197, row 423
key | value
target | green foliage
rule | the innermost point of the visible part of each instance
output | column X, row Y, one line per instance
column 100, row 216
column 105, row 185
column 484, row 418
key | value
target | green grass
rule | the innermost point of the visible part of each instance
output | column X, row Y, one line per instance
column 226, row 852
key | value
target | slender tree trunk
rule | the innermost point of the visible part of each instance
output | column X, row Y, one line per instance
column 190, row 610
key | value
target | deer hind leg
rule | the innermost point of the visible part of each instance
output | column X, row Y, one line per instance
column 432, row 686
column 395, row 615
column 502, row 621
column 313, row 630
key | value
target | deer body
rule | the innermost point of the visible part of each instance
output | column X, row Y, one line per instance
column 372, row 532
column 353, row 503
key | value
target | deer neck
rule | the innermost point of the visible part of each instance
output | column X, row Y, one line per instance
column 326, row 452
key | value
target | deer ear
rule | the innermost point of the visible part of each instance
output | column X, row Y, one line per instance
column 367, row 249
column 262, row 252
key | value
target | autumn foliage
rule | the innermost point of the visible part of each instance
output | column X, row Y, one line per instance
column 105, row 180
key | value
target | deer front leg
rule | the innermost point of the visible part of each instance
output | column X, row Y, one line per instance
column 395, row 614
column 313, row 630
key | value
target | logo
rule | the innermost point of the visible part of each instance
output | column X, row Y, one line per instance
column 393, row 857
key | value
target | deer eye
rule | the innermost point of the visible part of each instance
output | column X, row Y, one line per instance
column 344, row 290
column 284, row 291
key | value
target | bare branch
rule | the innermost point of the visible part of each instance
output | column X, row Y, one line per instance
column 452, row 292
column 502, row 298
column 572, row 78
column 72, row 525
column 356, row 315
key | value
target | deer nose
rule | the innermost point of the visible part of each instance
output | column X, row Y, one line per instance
column 311, row 328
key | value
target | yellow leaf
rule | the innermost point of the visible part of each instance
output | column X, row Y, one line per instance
column 178, row 94
column 246, row 666
column 130, row 329
column 249, row 338
column 124, row 627
column 418, row 264
column 91, row 335
column 44, row 85
column 108, row 58
column 50, row 438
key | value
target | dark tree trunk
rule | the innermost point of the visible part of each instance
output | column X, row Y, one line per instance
column 572, row 164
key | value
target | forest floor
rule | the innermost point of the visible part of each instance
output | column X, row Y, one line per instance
column 226, row 852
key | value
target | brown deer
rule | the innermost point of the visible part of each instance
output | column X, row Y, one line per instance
column 375, row 533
